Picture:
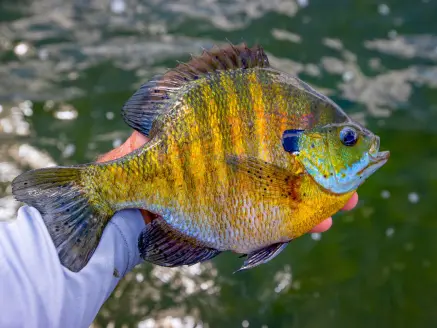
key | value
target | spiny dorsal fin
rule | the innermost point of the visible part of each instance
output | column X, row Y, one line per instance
column 156, row 96
column 225, row 58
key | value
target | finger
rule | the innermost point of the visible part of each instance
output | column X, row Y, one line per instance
column 137, row 140
column 351, row 203
column 147, row 216
column 115, row 153
column 322, row 227
column 325, row 225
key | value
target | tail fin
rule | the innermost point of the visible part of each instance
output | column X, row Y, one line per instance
column 75, row 226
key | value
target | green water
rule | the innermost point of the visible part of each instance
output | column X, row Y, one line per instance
column 66, row 68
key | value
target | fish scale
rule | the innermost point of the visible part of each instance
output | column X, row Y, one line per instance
column 242, row 158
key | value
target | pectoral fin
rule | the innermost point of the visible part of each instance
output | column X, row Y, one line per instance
column 270, row 180
column 262, row 256
column 160, row 244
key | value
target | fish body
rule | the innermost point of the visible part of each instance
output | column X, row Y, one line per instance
column 242, row 158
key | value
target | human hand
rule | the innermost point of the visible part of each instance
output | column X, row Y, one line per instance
column 136, row 140
column 326, row 224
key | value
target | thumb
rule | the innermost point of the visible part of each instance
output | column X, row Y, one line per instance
column 136, row 140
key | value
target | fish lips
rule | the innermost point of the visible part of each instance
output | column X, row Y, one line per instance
column 376, row 160
column 380, row 156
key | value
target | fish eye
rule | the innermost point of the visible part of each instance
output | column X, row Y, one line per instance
column 348, row 136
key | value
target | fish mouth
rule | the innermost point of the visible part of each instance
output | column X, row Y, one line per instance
column 375, row 155
column 380, row 156
column 376, row 159
column 375, row 162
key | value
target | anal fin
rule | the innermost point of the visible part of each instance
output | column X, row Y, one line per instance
column 262, row 256
column 162, row 245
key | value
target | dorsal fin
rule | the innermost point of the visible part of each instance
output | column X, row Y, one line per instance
column 229, row 57
column 156, row 96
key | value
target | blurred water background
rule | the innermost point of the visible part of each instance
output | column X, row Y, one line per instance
column 67, row 67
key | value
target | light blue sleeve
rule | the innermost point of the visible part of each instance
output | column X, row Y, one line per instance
column 36, row 291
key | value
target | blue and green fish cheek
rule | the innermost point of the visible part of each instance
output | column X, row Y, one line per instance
column 337, row 156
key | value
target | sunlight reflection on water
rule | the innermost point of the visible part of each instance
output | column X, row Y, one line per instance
column 68, row 67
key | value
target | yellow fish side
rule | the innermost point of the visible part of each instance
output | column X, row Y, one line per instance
column 218, row 173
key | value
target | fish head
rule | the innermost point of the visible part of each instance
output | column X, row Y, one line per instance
column 340, row 157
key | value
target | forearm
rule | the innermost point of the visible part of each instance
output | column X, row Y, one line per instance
column 36, row 291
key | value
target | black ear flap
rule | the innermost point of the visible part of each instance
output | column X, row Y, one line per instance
column 290, row 140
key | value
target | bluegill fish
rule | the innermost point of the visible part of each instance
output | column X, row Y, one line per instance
column 242, row 157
